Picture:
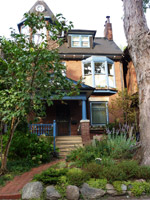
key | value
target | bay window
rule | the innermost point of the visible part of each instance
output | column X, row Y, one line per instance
column 99, row 72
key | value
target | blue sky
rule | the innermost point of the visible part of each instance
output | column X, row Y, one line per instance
column 85, row 14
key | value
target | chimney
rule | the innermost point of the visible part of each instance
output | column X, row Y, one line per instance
column 108, row 29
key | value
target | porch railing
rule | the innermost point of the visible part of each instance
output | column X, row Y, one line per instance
column 44, row 129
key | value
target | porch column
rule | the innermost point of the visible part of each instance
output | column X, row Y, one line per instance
column 85, row 131
column 84, row 115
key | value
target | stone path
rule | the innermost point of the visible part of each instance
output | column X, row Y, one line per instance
column 12, row 190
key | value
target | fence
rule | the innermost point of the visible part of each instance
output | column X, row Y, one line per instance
column 44, row 129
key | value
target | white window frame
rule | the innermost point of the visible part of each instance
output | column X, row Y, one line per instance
column 99, row 59
column 80, row 41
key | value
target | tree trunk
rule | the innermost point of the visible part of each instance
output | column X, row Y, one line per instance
column 138, row 38
column 4, row 159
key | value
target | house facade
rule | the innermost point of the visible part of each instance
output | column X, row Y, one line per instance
column 95, row 60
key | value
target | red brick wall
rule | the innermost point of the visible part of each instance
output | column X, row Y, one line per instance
column 85, row 131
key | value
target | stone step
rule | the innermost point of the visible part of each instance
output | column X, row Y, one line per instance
column 69, row 138
column 63, row 146
column 67, row 143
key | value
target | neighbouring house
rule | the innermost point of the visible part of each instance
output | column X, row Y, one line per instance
column 98, row 61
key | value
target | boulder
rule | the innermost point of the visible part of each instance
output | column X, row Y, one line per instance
column 90, row 193
column 72, row 192
column 51, row 193
column 111, row 190
column 32, row 190
column 124, row 188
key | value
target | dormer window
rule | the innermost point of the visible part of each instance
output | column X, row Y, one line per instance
column 82, row 41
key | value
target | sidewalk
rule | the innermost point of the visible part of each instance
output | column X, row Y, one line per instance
column 12, row 190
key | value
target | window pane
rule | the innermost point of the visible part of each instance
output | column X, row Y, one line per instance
column 84, row 44
column 110, row 69
column 99, row 115
column 76, row 44
column 87, row 69
column 75, row 38
column 99, row 68
column 85, row 38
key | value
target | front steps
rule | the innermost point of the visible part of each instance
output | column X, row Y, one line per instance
column 67, row 143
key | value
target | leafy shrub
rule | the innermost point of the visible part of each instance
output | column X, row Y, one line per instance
column 50, row 176
column 130, row 168
column 19, row 166
column 93, row 170
column 139, row 188
column 62, row 185
column 31, row 147
column 119, row 146
column 112, row 173
column 107, row 161
column 117, row 186
column 97, row 183
column 77, row 176
column 143, row 172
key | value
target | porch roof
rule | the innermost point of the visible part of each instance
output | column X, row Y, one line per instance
column 85, row 91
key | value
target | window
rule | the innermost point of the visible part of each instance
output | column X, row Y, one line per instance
column 99, row 113
column 40, row 36
column 25, row 30
column 87, row 69
column 110, row 75
column 99, row 72
column 80, row 41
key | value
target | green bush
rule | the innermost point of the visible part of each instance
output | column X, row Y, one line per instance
column 50, row 176
column 119, row 146
column 117, row 186
column 77, row 176
column 97, row 183
column 130, row 168
column 62, row 186
column 93, row 170
column 143, row 172
column 112, row 173
column 139, row 188
column 31, row 147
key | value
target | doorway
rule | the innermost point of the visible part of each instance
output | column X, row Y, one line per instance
column 63, row 120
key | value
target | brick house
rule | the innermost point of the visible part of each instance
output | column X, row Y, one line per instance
column 98, row 61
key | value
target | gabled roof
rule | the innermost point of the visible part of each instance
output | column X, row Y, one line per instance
column 101, row 46
column 47, row 12
column 82, row 32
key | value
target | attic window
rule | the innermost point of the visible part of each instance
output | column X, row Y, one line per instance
column 80, row 41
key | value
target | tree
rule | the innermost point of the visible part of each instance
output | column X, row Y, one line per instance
column 31, row 74
column 124, row 108
column 138, row 38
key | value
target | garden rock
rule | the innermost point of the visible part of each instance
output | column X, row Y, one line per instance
column 51, row 193
column 90, row 193
column 111, row 190
column 32, row 191
column 140, row 180
column 72, row 192
column 124, row 188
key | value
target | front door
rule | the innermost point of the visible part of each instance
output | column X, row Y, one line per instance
column 63, row 120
